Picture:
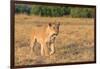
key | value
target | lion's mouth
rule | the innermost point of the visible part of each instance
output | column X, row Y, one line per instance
column 53, row 36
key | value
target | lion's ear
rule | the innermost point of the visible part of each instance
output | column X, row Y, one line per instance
column 50, row 24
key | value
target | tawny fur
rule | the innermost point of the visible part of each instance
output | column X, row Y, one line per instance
column 44, row 36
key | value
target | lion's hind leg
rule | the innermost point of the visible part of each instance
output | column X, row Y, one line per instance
column 32, row 44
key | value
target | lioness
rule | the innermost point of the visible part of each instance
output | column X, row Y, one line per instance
column 45, row 37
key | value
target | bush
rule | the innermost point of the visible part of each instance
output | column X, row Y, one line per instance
column 19, row 9
column 49, row 11
column 55, row 11
column 22, row 9
column 82, row 12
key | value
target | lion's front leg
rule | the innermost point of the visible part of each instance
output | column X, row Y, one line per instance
column 52, row 47
column 44, row 49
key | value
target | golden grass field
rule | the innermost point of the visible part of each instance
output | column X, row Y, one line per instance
column 75, row 42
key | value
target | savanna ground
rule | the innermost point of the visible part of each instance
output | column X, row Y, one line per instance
column 75, row 42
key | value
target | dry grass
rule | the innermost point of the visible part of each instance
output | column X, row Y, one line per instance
column 75, row 42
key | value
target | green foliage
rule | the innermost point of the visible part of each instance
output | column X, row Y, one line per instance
column 49, row 10
column 82, row 12
column 55, row 11
column 20, row 8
